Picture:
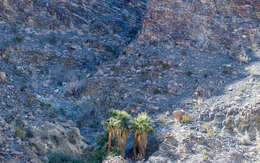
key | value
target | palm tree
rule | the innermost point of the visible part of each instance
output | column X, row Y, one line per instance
column 111, row 125
column 117, row 127
column 123, row 130
column 142, row 125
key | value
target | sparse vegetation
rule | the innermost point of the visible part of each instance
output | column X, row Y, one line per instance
column 161, row 119
column 205, row 153
column 189, row 73
column 225, row 72
column 63, row 158
column 156, row 91
column 53, row 112
column 99, row 153
column 116, row 69
column 185, row 119
column 19, row 132
column 18, row 39
column 145, row 76
column 13, row 27
column 53, row 39
column 210, row 132
column 195, row 106
column 166, row 65
column 181, row 116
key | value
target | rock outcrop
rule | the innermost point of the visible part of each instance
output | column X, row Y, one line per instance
column 56, row 138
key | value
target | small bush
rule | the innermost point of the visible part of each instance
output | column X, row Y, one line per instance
column 210, row 132
column 19, row 132
column 100, row 152
column 185, row 119
column 157, row 91
column 63, row 158
column 53, row 39
column 18, row 39
column 189, row 73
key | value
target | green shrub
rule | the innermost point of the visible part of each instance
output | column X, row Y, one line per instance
column 53, row 39
column 156, row 91
column 18, row 39
column 189, row 73
column 19, row 132
column 185, row 119
column 63, row 158
column 100, row 152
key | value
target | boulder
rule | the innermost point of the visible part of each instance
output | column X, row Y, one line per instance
column 179, row 114
column 3, row 77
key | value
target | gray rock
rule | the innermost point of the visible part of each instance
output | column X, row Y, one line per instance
column 52, row 137
column 115, row 159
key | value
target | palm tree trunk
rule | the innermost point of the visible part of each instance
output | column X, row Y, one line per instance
column 135, row 143
column 139, row 146
column 143, row 143
column 140, row 142
column 123, row 142
column 109, row 141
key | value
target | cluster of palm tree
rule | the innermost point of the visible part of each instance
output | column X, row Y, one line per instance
column 120, row 124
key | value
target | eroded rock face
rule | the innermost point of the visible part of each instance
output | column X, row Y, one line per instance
column 167, row 151
column 52, row 137
column 245, row 119
column 48, row 44
column 118, row 20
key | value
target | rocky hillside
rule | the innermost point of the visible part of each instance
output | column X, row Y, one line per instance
column 65, row 63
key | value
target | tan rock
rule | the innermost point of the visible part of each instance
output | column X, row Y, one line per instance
column 3, row 77
column 178, row 114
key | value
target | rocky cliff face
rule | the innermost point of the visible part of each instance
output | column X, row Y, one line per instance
column 65, row 63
